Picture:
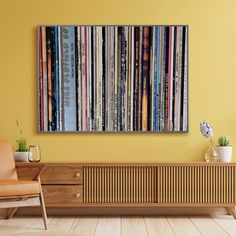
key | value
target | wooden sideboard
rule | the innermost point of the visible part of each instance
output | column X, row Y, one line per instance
column 137, row 185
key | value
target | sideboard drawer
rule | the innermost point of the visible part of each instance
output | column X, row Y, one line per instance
column 56, row 195
column 62, row 174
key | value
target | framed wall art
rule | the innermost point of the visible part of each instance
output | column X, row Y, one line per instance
column 113, row 78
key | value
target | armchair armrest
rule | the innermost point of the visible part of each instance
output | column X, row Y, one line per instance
column 39, row 166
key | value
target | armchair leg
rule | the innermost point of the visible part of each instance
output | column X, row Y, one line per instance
column 44, row 213
column 43, row 209
column 10, row 212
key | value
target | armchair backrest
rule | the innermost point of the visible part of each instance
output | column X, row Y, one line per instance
column 7, row 163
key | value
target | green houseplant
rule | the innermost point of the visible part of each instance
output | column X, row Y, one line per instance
column 21, row 153
column 22, row 145
column 224, row 149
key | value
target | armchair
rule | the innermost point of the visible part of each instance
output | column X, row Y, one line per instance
column 15, row 193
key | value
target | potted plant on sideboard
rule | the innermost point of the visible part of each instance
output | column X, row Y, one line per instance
column 224, row 149
column 22, row 150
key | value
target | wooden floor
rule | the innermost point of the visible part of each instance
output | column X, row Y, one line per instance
column 116, row 226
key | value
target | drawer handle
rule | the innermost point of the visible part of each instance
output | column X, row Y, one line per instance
column 77, row 174
column 77, row 195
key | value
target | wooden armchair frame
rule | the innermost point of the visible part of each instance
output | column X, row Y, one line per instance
column 13, row 202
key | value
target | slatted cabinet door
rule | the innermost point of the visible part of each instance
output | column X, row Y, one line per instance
column 120, row 184
column 196, row 184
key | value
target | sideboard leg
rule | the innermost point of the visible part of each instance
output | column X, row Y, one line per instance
column 231, row 211
column 228, row 210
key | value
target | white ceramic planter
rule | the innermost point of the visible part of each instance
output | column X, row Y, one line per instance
column 225, row 153
column 21, row 156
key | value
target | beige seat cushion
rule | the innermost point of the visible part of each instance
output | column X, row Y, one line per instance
column 10, row 188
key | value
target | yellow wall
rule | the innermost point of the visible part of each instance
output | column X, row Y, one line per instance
column 212, row 80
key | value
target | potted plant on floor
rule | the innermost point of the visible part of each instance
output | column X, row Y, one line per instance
column 21, row 153
column 224, row 149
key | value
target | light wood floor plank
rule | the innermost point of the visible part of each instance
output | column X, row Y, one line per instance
column 84, row 226
column 22, row 225
column 35, row 223
column 34, row 227
column 74, row 225
column 207, row 226
column 182, row 225
column 15, row 226
column 227, row 222
column 61, row 224
column 133, row 226
column 108, row 226
column 158, row 226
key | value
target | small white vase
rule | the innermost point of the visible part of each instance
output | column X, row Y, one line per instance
column 21, row 156
column 225, row 153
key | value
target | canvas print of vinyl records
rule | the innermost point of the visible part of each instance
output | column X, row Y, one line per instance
column 113, row 78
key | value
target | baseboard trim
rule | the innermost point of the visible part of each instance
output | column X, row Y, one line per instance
column 123, row 211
